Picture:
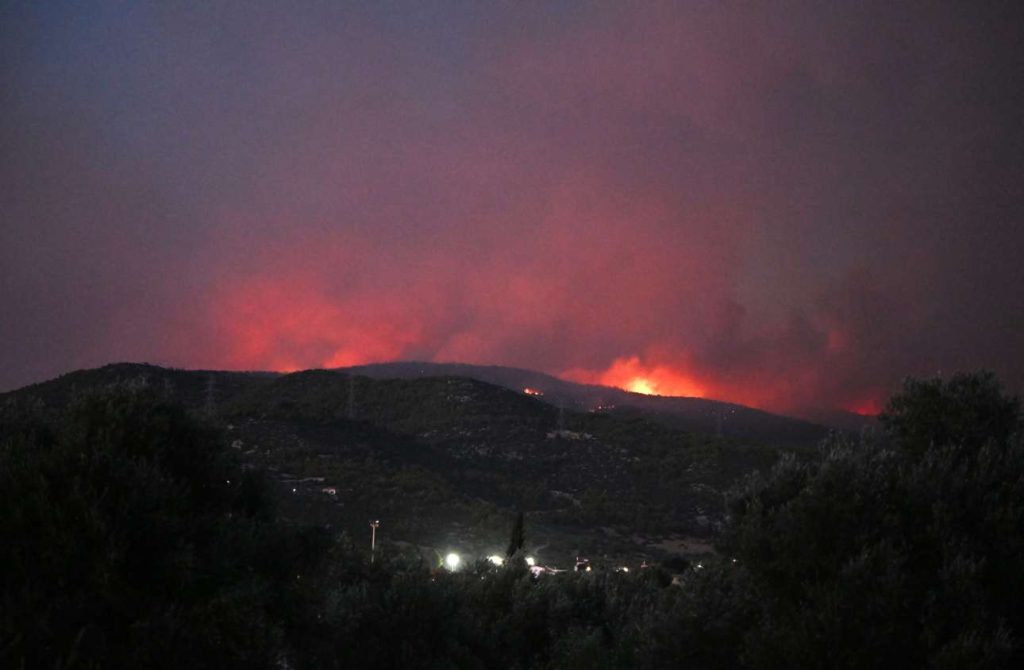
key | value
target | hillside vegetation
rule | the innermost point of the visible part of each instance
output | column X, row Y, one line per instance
column 137, row 534
column 444, row 461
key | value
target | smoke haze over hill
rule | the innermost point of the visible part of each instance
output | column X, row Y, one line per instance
column 784, row 206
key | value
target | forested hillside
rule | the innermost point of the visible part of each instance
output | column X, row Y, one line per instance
column 444, row 461
column 138, row 534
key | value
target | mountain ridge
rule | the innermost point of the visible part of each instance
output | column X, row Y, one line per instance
column 700, row 415
column 446, row 460
column 689, row 413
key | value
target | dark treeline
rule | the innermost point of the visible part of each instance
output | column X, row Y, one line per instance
column 130, row 536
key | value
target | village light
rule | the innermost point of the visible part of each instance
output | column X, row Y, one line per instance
column 530, row 561
column 452, row 560
column 496, row 560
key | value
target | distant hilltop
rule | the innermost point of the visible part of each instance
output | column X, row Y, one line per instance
column 697, row 415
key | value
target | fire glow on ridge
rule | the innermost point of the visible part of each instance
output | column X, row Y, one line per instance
column 640, row 385
column 631, row 374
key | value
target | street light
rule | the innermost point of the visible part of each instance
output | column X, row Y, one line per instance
column 373, row 538
column 495, row 559
column 452, row 561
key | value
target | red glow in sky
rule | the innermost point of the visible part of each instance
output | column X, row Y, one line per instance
column 727, row 200
column 327, row 302
column 289, row 324
column 868, row 407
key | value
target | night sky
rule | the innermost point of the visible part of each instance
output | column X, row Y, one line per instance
column 783, row 204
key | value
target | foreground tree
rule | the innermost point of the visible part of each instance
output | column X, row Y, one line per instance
column 901, row 553
column 517, row 538
column 131, row 539
column 965, row 411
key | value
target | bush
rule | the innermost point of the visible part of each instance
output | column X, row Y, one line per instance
column 126, row 527
column 894, row 553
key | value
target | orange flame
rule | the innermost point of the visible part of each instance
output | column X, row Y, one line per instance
column 630, row 374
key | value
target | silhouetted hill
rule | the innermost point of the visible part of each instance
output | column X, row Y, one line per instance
column 692, row 414
column 191, row 387
column 850, row 422
column 445, row 460
column 139, row 535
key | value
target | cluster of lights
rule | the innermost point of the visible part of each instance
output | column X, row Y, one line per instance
column 452, row 561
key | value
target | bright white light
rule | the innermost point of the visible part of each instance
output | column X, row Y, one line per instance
column 495, row 559
column 452, row 561
column 530, row 562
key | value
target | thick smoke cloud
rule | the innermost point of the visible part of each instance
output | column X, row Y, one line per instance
column 790, row 206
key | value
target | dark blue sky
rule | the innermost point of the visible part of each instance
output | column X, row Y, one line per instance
column 785, row 205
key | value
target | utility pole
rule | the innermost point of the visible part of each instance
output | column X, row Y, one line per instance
column 373, row 539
